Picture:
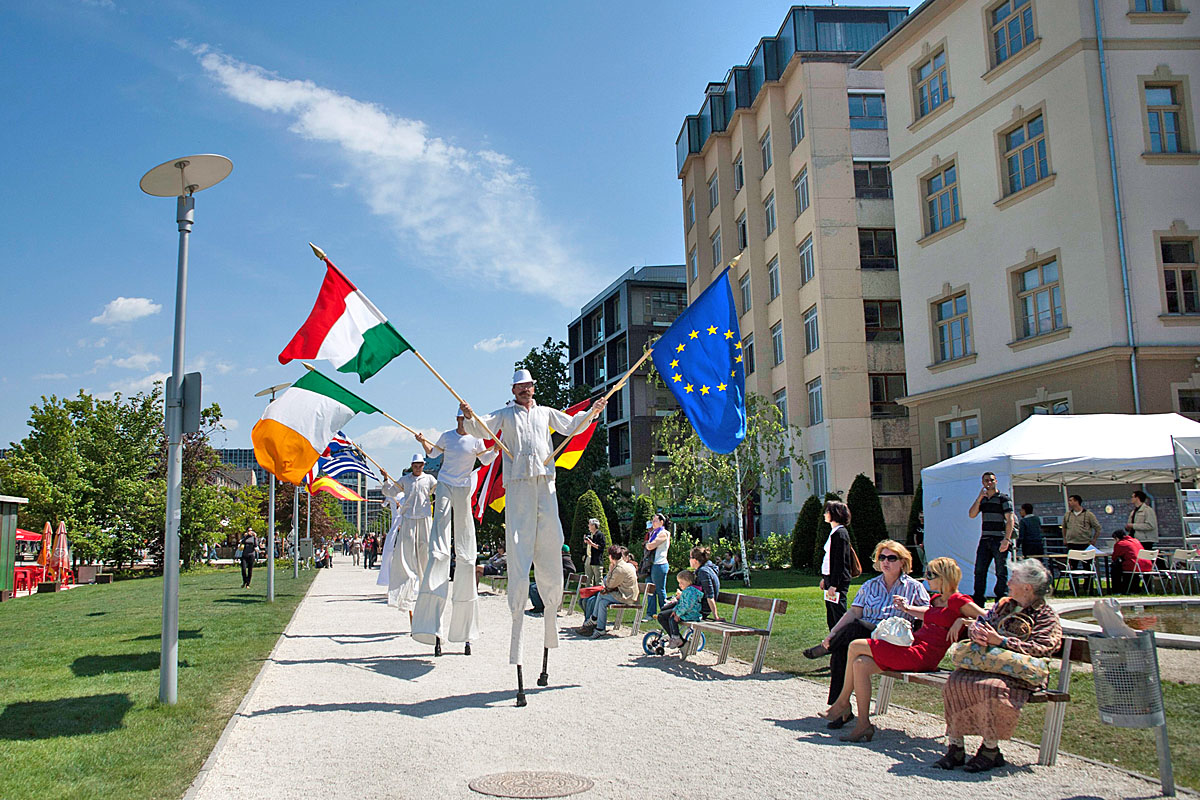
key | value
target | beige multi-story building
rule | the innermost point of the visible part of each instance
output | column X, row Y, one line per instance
column 786, row 163
column 1039, row 274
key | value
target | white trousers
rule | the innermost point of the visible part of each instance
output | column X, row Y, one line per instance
column 385, row 559
column 453, row 502
column 533, row 535
column 409, row 557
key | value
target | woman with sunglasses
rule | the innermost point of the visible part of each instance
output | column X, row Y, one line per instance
column 944, row 618
column 874, row 603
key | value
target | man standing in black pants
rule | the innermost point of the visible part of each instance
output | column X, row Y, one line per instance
column 249, row 553
column 995, row 539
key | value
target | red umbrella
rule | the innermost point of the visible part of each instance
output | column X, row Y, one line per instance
column 47, row 544
column 59, row 558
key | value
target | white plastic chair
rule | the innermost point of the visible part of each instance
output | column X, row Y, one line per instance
column 1180, row 570
column 1073, row 571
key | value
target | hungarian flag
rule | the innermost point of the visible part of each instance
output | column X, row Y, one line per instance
column 347, row 329
column 328, row 484
column 574, row 450
column 294, row 430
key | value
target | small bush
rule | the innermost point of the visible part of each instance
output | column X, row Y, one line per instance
column 776, row 549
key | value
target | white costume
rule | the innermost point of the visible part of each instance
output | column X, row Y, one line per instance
column 533, row 533
column 453, row 500
column 411, row 550
column 389, row 542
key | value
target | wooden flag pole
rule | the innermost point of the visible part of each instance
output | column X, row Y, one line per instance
column 311, row 368
column 592, row 411
column 458, row 397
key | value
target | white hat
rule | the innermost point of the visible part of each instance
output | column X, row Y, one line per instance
column 458, row 412
column 522, row 376
column 418, row 459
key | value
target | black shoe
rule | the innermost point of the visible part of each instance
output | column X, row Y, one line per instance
column 840, row 722
column 955, row 757
column 984, row 760
column 816, row 651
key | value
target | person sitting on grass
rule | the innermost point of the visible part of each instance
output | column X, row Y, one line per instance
column 687, row 606
column 620, row 587
column 944, row 618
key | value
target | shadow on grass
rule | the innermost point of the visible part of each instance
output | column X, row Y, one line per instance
column 183, row 634
column 68, row 716
column 244, row 600
column 89, row 666
column 423, row 708
column 97, row 614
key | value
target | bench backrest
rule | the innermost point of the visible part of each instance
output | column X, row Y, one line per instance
column 739, row 601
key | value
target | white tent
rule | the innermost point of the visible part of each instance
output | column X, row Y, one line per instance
column 1047, row 450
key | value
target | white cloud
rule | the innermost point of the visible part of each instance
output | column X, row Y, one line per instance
column 230, row 423
column 143, row 384
column 101, row 342
column 138, row 361
column 107, row 5
column 465, row 212
column 50, row 376
column 223, row 367
column 395, row 436
column 498, row 342
column 127, row 309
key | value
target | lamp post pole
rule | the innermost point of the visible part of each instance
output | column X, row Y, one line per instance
column 271, row 390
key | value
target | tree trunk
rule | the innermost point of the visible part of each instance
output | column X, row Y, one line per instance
column 737, row 474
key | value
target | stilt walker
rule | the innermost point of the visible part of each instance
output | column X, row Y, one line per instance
column 411, row 550
column 533, row 533
column 452, row 503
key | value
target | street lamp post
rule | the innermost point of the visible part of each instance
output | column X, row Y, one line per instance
column 271, row 390
column 179, row 178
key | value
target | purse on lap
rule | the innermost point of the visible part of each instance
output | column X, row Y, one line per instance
column 896, row 630
column 1000, row 661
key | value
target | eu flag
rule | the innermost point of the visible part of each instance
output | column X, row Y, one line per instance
column 700, row 358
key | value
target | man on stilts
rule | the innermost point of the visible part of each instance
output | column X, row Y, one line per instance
column 411, row 550
column 533, row 533
column 453, row 502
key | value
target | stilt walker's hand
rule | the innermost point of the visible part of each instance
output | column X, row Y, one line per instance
column 466, row 409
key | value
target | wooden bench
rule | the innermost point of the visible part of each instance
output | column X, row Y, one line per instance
column 1073, row 650
column 730, row 628
column 638, row 606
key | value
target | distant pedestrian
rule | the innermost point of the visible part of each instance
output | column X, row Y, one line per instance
column 995, row 536
column 368, row 552
column 355, row 550
column 1143, row 523
column 1030, row 539
column 249, row 553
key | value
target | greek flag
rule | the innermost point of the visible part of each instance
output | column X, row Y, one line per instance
column 342, row 456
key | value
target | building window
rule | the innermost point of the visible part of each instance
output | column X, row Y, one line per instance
column 622, row 448
column 773, row 278
column 596, row 374
column 663, row 306
column 780, row 399
column 1025, row 154
column 1151, row 6
column 1046, row 408
column 785, row 480
column 748, row 354
column 872, row 180
column 820, row 475
column 816, row 405
column 941, row 199
column 800, row 187
column 1163, row 112
column 694, row 264
column 1189, row 403
column 807, row 268
column 743, row 233
column 744, row 285
column 933, row 84
column 882, row 320
column 691, row 210
column 876, row 248
column 715, row 241
column 867, row 112
column 777, row 342
column 1039, row 299
column 893, row 471
column 812, row 340
column 959, row 435
column 1012, row 29
column 953, row 325
column 886, row 390
column 739, row 174
column 1180, row 276
column 769, row 213
column 764, row 147
column 796, row 124
column 714, row 193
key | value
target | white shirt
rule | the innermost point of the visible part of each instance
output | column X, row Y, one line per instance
column 828, row 543
column 526, row 433
column 412, row 495
column 459, row 457
column 660, row 552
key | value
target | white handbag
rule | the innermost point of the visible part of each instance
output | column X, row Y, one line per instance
column 895, row 630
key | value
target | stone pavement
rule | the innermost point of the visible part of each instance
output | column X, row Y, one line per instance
column 349, row 706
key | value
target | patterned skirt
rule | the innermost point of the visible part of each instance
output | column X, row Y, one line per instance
column 983, row 704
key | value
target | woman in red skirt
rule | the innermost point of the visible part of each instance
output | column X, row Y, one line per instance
column 941, row 624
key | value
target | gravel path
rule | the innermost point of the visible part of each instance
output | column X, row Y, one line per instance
column 349, row 706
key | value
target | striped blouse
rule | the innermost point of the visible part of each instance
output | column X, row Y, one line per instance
column 875, row 599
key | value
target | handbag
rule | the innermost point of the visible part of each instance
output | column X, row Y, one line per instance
column 999, row 661
column 590, row 591
column 643, row 570
column 855, row 564
column 895, row 630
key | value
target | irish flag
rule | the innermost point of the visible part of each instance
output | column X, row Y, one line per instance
column 346, row 328
column 295, row 429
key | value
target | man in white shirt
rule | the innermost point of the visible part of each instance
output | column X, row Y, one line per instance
column 411, row 550
column 533, row 533
column 453, row 500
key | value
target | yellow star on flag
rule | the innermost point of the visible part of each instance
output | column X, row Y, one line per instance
column 693, row 334
column 688, row 388
column 737, row 346
column 721, row 386
column 738, row 360
column 677, row 378
column 728, row 334
column 712, row 329
column 674, row 363
column 680, row 348
column 703, row 390
column 733, row 373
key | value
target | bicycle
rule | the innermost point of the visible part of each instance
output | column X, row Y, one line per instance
column 654, row 643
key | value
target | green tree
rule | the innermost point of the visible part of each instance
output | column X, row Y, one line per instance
column 804, row 534
column 587, row 507
column 678, row 551
column 720, row 483
column 866, row 517
column 914, row 518
column 643, row 509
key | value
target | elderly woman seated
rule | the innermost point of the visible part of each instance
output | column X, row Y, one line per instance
column 945, row 616
column 988, row 704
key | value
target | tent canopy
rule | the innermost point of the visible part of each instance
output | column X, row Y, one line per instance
column 1050, row 450
column 28, row 536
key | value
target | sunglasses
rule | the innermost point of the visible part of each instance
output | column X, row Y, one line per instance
column 931, row 576
column 889, row 558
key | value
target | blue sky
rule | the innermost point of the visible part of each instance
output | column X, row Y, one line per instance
column 480, row 170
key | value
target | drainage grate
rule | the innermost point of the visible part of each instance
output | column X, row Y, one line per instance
column 530, row 784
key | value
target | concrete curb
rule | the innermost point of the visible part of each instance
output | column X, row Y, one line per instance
column 209, row 762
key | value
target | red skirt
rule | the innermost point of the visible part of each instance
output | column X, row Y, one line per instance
column 922, row 656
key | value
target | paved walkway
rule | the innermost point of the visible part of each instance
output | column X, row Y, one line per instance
column 349, row 706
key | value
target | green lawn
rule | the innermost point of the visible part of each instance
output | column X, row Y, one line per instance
column 1083, row 734
column 79, row 711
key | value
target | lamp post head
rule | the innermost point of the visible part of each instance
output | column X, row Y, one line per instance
column 183, row 177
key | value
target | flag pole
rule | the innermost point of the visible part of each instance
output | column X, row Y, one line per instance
column 592, row 411
column 311, row 368
column 458, row 397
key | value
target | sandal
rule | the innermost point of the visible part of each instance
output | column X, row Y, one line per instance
column 955, row 757
column 984, row 760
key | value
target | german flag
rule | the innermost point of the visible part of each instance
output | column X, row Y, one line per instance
column 488, row 489
column 579, row 442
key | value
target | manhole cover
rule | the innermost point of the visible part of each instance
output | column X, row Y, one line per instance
column 530, row 784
